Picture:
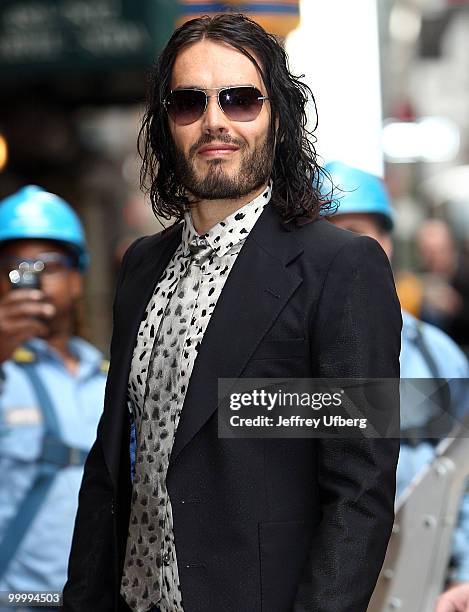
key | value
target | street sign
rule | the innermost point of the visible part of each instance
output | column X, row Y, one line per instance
column 50, row 36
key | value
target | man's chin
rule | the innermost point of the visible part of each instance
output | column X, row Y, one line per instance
column 217, row 165
column 210, row 185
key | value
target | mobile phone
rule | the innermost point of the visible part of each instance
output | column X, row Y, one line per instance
column 25, row 279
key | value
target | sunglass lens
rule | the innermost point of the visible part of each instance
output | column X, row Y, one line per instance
column 185, row 106
column 241, row 103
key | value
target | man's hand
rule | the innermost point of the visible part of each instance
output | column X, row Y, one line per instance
column 23, row 315
column 455, row 599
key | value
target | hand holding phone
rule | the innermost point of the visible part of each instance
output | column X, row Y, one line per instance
column 25, row 279
column 23, row 315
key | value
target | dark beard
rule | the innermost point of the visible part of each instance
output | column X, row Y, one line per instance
column 254, row 172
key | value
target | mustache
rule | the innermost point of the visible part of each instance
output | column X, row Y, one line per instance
column 208, row 138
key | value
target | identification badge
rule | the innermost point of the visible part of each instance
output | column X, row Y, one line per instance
column 15, row 417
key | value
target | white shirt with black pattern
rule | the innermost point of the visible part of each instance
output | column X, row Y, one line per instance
column 170, row 333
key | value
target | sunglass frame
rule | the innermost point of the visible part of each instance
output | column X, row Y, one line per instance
column 219, row 90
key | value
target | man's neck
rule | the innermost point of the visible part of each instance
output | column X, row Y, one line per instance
column 61, row 343
column 207, row 213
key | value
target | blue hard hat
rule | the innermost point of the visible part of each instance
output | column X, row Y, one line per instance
column 356, row 191
column 32, row 212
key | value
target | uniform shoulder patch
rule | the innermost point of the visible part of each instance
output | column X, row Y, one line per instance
column 23, row 355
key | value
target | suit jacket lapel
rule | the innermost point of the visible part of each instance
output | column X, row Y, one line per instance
column 134, row 295
column 256, row 290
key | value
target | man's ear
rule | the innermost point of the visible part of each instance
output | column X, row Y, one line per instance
column 386, row 243
column 76, row 284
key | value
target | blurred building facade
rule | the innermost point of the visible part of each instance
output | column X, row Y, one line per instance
column 425, row 70
column 72, row 82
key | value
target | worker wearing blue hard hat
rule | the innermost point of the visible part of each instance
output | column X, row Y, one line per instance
column 51, row 389
column 35, row 213
column 364, row 207
column 359, row 192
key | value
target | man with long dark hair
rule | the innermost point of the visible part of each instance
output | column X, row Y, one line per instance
column 250, row 283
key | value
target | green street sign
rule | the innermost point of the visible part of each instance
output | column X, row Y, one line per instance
column 51, row 36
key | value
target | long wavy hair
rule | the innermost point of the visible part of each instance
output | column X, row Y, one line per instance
column 296, row 175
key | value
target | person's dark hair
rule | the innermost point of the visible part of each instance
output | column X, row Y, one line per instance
column 383, row 223
column 296, row 175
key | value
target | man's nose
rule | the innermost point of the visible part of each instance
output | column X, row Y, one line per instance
column 214, row 119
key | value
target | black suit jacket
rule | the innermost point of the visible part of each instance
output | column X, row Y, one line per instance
column 261, row 525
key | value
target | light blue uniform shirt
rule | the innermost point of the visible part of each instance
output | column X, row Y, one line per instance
column 451, row 363
column 40, row 563
column 449, row 358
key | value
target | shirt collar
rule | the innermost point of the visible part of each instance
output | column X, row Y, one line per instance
column 409, row 326
column 231, row 231
column 90, row 359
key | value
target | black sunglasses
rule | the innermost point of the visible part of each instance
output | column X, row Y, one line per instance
column 239, row 103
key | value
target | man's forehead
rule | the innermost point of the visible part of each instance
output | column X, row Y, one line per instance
column 207, row 64
column 31, row 247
